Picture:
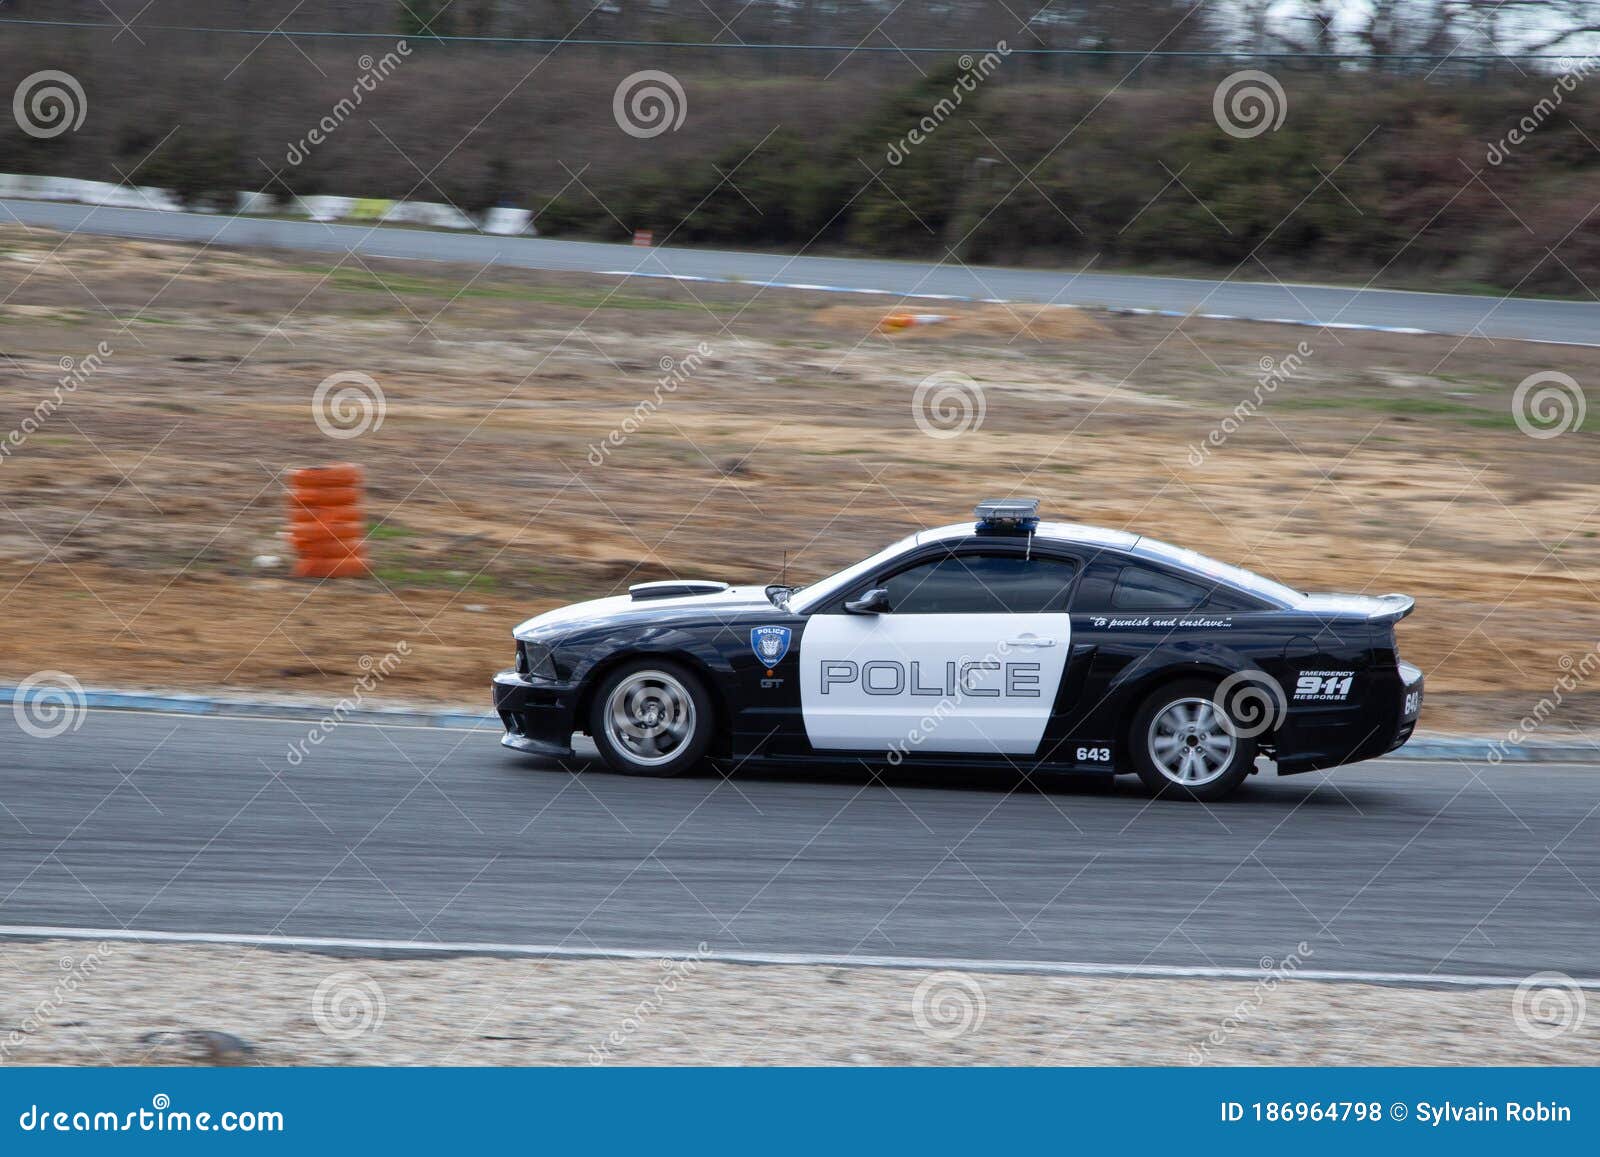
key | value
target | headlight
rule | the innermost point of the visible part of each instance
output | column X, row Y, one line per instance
column 534, row 660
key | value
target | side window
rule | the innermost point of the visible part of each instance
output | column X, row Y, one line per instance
column 1139, row 589
column 981, row 584
column 1224, row 601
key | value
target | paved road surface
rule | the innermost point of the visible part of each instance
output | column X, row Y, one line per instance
column 1557, row 321
column 195, row 824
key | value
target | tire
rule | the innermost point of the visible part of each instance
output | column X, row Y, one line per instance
column 325, row 477
column 327, row 524
column 317, row 500
column 1185, row 746
column 350, row 566
column 631, row 718
column 329, row 550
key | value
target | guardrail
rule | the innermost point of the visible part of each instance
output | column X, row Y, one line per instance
column 501, row 220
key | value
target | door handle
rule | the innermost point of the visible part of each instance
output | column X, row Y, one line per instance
column 1030, row 641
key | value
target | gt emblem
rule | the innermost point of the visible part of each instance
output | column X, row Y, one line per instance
column 770, row 644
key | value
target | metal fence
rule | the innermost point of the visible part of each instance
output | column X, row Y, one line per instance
column 107, row 40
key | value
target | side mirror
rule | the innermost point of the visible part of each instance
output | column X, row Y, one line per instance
column 874, row 602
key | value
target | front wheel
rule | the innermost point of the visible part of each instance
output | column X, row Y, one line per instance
column 1185, row 745
column 651, row 717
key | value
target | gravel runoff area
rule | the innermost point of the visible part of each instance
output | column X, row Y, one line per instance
column 121, row 1003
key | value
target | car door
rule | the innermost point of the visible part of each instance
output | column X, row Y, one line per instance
column 967, row 657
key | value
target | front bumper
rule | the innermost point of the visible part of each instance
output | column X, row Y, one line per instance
column 539, row 717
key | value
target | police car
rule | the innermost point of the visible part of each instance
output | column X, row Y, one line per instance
column 1007, row 641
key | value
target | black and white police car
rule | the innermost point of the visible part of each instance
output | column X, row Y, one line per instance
column 1006, row 641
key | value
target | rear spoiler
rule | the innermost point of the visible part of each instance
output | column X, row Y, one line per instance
column 1391, row 608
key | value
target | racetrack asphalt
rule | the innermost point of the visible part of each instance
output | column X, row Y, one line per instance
column 152, row 821
column 1493, row 317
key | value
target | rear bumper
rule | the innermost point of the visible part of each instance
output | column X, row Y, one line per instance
column 1410, row 705
column 538, row 717
column 1350, row 733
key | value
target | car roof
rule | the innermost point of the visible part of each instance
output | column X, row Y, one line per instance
column 1068, row 532
column 1140, row 547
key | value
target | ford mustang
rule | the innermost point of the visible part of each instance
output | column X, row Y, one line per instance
column 1005, row 641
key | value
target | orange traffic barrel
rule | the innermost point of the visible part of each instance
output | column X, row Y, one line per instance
column 326, row 527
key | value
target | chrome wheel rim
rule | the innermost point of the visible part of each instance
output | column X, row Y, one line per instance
column 650, row 717
column 1190, row 743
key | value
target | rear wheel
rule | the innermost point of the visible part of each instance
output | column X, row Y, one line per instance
column 651, row 717
column 1185, row 745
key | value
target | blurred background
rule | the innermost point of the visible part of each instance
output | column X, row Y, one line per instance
column 1098, row 104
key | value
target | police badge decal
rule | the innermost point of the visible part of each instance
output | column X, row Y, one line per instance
column 770, row 644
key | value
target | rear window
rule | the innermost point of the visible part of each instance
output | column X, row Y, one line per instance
column 1139, row 589
column 1143, row 589
column 1220, row 571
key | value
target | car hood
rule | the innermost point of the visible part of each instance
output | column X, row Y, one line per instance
column 620, row 609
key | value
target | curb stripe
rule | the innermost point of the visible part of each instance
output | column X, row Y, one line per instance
column 1422, row 748
column 793, row 959
column 178, row 703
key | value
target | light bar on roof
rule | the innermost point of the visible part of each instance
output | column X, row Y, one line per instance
column 1008, row 514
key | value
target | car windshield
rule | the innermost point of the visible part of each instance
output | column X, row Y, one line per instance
column 1232, row 575
column 803, row 599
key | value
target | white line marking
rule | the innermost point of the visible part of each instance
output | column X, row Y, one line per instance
column 935, row 963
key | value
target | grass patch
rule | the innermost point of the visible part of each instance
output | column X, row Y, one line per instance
column 382, row 531
column 403, row 285
column 403, row 576
column 1463, row 412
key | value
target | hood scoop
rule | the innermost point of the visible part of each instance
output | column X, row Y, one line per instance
column 675, row 589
